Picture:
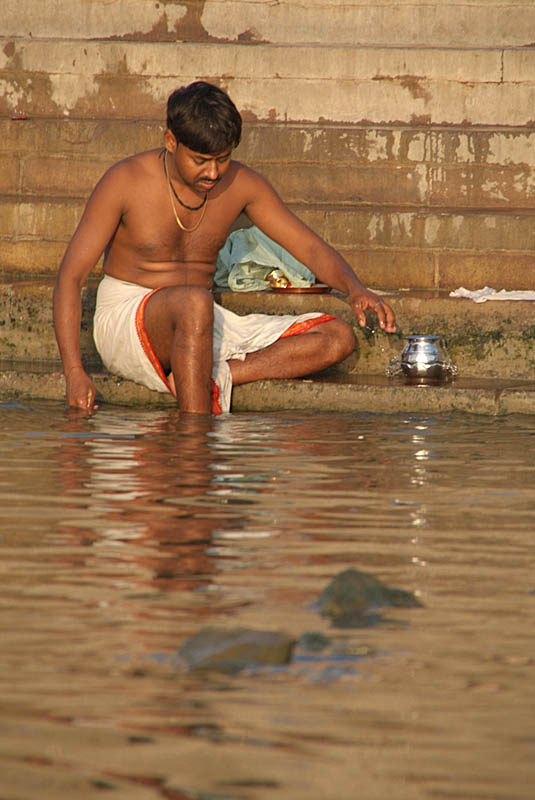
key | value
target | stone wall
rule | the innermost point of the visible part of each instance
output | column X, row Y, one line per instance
column 402, row 132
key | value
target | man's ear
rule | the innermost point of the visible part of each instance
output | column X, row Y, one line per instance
column 170, row 141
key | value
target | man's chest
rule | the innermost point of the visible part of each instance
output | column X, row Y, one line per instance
column 173, row 234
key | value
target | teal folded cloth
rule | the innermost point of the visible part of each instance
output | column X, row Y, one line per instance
column 247, row 258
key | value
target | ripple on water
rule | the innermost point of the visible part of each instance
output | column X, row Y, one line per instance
column 125, row 533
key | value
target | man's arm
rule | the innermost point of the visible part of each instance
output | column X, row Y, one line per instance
column 95, row 229
column 266, row 210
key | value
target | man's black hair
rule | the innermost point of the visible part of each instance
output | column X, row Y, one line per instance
column 204, row 118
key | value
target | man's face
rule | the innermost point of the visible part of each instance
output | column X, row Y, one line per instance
column 200, row 171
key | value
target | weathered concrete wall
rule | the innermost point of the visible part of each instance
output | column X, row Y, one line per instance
column 442, row 23
column 404, row 133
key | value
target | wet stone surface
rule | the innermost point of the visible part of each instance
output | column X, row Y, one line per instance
column 353, row 599
column 233, row 650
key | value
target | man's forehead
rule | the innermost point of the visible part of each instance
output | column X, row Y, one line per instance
column 196, row 153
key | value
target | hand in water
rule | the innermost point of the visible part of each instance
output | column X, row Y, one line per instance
column 80, row 390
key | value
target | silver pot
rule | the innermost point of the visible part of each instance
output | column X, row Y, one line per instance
column 426, row 357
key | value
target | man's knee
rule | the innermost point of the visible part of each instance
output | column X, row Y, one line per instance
column 341, row 339
column 191, row 307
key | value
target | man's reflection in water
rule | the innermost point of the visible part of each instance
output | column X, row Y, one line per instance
column 143, row 479
column 150, row 489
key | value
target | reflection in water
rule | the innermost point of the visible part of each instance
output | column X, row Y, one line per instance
column 125, row 533
column 168, row 458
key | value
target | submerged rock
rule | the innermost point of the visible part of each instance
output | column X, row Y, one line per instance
column 313, row 641
column 353, row 598
column 231, row 650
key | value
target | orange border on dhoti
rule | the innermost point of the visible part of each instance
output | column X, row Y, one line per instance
column 304, row 325
column 300, row 326
column 144, row 338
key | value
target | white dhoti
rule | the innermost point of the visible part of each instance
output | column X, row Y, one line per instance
column 122, row 341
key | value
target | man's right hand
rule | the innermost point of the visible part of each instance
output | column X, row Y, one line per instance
column 80, row 389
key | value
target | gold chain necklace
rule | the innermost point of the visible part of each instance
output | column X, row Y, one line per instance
column 178, row 222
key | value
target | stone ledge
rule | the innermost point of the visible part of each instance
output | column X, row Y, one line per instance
column 390, row 247
column 131, row 80
column 373, row 394
column 486, row 340
column 357, row 394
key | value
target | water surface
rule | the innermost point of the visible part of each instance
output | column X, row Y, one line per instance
column 125, row 533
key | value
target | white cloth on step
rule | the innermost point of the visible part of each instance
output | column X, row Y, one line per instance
column 482, row 295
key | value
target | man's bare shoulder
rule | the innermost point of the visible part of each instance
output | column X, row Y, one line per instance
column 134, row 167
column 246, row 182
column 245, row 173
column 123, row 180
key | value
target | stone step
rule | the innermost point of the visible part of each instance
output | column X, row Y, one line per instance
column 422, row 208
column 492, row 340
column 480, row 23
column 420, row 170
column 342, row 165
column 349, row 84
column 342, row 393
column 389, row 247
column 492, row 344
column 403, row 133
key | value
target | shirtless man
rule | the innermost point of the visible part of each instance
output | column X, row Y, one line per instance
column 161, row 217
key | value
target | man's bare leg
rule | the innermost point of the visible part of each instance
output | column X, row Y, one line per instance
column 295, row 356
column 179, row 323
